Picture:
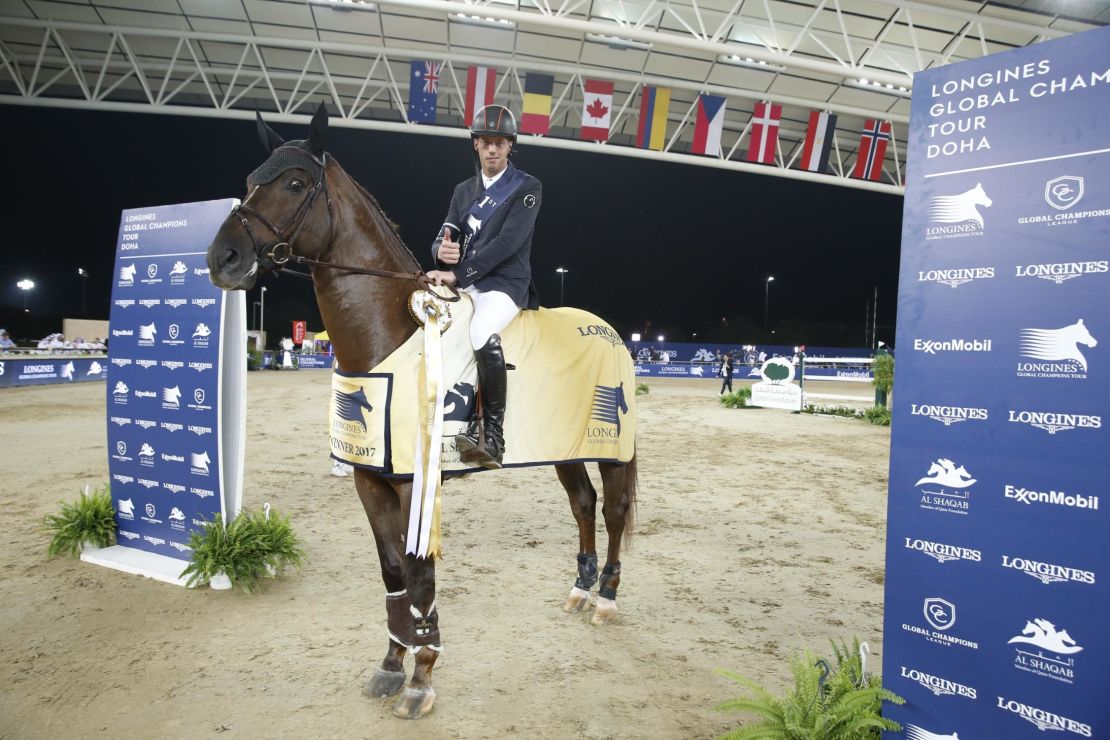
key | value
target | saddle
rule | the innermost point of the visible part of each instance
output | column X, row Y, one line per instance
column 571, row 395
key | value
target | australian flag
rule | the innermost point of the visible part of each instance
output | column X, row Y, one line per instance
column 423, row 89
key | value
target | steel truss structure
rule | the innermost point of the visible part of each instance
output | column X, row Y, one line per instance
column 854, row 58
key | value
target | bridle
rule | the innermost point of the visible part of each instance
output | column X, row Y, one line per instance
column 274, row 255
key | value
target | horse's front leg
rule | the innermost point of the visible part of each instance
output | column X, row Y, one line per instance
column 384, row 512
column 583, row 504
column 419, row 698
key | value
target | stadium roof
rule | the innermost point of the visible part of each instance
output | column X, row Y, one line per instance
column 220, row 58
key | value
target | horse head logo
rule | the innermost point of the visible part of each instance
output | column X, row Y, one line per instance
column 121, row 388
column 95, row 368
column 179, row 268
column 127, row 273
column 349, row 407
column 172, row 396
column 945, row 473
column 913, row 732
column 609, row 403
column 458, row 403
column 127, row 507
column 1063, row 192
column 147, row 331
column 67, row 370
column 1058, row 344
column 201, row 460
column 954, row 209
column 1043, row 634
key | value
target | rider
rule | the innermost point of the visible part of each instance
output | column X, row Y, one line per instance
column 485, row 246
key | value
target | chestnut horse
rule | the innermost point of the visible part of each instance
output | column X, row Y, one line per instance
column 301, row 206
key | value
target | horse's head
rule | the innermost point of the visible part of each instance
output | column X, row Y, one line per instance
column 1030, row 629
column 282, row 210
column 1082, row 335
column 979, row 196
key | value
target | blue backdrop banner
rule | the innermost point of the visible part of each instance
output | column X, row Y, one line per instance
column 997, row 559
column 164, row 377
column 46, row 370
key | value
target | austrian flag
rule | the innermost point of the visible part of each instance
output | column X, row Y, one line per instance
column 597, row 109
column 480, row 83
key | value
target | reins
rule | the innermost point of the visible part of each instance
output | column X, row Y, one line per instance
column 280, row 252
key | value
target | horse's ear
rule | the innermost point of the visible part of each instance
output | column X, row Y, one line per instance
column 318, row 131
column 269, row 138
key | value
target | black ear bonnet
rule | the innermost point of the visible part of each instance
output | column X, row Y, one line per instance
column 286, row 157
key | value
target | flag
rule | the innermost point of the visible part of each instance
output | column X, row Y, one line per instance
column 537, row 104
column 597, row 109
column 653, row 118
column 480, row 82
column 709, row 125
column 819, row 137
column 872, row 149
column 423, row 89
column 765, row 133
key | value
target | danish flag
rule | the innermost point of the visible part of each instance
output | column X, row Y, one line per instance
column 765, row 133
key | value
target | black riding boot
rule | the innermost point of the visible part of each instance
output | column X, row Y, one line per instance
column 492, row 382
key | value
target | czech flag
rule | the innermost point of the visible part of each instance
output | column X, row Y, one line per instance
column 653, row 118
column 709, row 125
column 480, row 83
column 537, row 104
column 872, row 149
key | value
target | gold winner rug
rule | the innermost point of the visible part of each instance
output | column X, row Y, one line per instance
column 571, row 396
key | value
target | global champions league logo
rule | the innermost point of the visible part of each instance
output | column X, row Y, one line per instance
column 958, row 214
column 608, row 406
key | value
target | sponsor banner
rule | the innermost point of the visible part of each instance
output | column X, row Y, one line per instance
column 750, row 354
column 740, row 372
column 163, row 376
column 996, row 562
column 43, row 371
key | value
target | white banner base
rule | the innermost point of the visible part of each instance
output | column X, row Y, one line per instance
column 138, row 562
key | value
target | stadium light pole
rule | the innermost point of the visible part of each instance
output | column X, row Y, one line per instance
column 562, row 282
column 25, row 285
column 766, row 297
column 84, row 275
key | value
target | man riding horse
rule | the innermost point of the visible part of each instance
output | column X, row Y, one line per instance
column 486, row 240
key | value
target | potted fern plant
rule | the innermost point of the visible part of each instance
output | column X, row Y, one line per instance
column 252, row 546
column 89, row 522
column 278, row 540
column 841, row 703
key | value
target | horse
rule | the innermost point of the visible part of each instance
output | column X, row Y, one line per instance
column 301, row 205
column 1058, row 344
column 954, row 209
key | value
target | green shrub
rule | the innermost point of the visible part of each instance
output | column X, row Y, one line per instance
column 737, row 399
column 642, row 389
column 243, row 549
column 833, row 410
column 88, row 519
column 254, row 359
column 832, row 704
column 878, row 415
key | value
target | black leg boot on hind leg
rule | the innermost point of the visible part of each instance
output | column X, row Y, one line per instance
column 493, row 384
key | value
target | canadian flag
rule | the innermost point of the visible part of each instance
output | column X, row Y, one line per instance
column 597, row 108
column 765, row 133
column 480, row 84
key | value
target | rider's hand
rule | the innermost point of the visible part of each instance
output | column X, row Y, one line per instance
column 441, row 277
column 448, row 250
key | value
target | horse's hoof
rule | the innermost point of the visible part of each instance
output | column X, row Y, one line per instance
column 576, row 601
column 606, row 612
column 415, row 703
column 384, row 683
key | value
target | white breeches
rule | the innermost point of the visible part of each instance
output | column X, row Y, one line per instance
column 493, row 310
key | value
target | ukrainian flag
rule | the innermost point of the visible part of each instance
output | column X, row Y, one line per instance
column 537, row 104
column 653, row 118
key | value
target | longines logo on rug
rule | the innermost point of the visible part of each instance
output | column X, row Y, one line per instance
column 608, row 406
column 948, row 415
column 1058, row 272
column 349, row 417
column 958, row 215
column 913, row 732
column 1048, row 573
column 940, row 614
column 944, row 488
column 939, row 686
column 955, row 277
column 600, row 330
column 941, row 552
column 1062, row 194
column 932, row 346
column 1059, row 498
column 1053, row 422
column 1043, row 719
column 1046, row 638
column 1059, row 351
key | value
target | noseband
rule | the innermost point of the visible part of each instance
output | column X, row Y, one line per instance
column 274, row 255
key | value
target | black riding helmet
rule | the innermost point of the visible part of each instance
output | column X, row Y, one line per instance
column 494, row 120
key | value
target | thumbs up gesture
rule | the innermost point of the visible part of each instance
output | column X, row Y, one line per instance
column 448, row 250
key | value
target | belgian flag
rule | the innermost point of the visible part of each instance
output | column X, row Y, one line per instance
column 537, row 104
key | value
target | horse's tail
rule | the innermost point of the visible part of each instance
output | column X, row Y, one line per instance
column 631, row 487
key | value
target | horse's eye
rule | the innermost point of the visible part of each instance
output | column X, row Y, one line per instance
column 296, row 185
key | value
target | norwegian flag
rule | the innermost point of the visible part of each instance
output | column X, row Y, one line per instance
column 765, row 133
column 872, row 149
column 480, row 83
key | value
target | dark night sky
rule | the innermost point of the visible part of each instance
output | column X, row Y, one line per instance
column 679, row 246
